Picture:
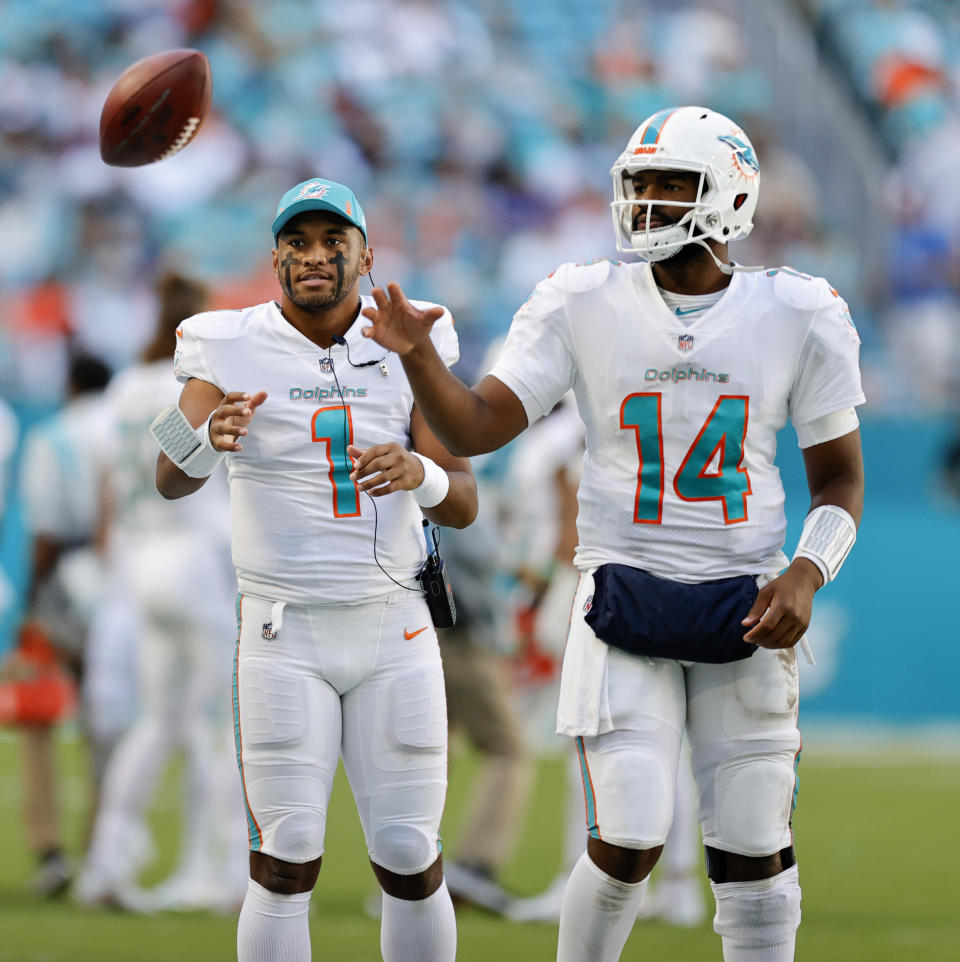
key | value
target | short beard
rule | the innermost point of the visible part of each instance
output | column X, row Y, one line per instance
column 688, row 254
column 320, row 300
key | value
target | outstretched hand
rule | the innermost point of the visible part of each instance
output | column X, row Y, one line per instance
column 230, row 419
column 397, row 325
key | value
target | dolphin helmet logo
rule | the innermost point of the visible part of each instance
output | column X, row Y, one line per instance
column 743, row 154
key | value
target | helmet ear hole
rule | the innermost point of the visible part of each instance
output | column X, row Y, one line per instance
column 738, row 201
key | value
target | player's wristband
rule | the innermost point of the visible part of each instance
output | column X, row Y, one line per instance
column 434, row 486
column 188, row 448
column 828, row 535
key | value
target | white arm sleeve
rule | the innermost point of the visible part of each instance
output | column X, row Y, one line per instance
column 827, row 428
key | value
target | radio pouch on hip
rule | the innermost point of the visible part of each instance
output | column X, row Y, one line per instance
column 642, row 614
column 436, row 586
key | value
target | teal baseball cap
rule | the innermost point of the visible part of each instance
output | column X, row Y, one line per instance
column 319, row 194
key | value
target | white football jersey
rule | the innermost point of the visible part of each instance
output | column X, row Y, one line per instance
column 682, row 418
column 171, row 557
column 59, row 479
column 302, row 531
column 139, row 510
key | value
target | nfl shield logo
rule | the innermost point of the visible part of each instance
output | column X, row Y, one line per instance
column 685, row 342
column 326, row 365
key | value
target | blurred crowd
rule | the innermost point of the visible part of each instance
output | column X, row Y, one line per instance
column 479, row 135
column 902, row 60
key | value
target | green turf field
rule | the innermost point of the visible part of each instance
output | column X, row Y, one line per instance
column 875, row 844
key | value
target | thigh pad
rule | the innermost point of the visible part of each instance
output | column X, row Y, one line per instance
column 629, row 783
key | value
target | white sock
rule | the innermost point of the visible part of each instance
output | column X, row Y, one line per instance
column 423, row 930
column 597, row 915
column 272, row 927
column 758, row 921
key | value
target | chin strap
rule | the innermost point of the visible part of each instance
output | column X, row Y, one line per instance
column 726, row 268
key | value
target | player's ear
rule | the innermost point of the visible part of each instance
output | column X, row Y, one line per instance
column 366, row 260
column 276, row 255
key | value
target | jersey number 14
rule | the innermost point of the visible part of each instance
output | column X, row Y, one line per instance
column 712, row 469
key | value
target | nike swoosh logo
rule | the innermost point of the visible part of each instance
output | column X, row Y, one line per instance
column 680, row 312
column 413, row 634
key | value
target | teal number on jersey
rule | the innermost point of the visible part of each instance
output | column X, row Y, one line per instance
column 712, row 468
column 334, row 427
column 642, row 413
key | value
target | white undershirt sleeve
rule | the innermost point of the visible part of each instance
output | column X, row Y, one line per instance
column 827, row 428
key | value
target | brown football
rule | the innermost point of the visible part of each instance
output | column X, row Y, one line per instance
column 155, row 108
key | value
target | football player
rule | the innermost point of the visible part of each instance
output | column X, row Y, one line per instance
column 171, row 564
column 331, row 469
column 688, row 614
column 58, row 482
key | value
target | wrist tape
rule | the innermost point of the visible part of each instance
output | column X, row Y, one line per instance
column 434, row 486
column 828, row 535
column 187, row 447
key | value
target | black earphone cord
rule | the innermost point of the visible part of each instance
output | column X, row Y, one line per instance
column 337, row 339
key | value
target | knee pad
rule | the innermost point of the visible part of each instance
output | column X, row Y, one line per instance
column 754, row 801
column 403, row 848
column 298, row 837
column 764, row 912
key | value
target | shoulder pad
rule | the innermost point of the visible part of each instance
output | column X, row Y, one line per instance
column 801, row 291
column 219, row 325
column 585, row 276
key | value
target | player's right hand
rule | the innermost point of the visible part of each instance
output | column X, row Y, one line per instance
column 397, row 324
column 781, row 613
column 231, row 417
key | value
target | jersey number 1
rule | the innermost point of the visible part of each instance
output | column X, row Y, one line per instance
column 712, row 468
column 334, row 427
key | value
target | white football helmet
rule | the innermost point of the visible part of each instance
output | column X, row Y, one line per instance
column 703, row 142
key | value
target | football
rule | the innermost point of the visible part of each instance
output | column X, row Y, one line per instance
column 155, row 108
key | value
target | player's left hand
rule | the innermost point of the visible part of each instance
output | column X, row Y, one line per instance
column 780, row 615
column 397, row 324
column 384, row 468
